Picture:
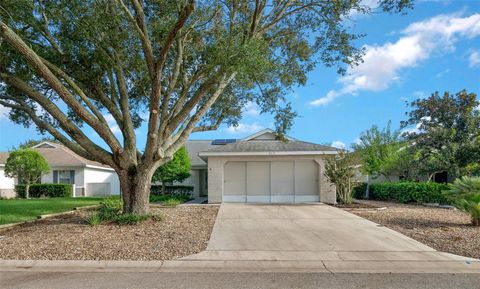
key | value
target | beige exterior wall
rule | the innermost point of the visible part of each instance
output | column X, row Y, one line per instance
column 216, row 178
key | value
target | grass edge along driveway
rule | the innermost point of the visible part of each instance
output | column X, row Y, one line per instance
column 20, row 210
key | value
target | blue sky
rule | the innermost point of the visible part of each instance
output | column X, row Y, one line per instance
column 435, row 47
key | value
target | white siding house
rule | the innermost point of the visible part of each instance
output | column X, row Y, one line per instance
column 88, row 178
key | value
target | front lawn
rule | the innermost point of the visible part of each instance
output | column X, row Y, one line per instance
column 18, row 210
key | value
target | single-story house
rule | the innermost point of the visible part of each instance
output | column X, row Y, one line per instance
column 260, row 169
column 88, row 178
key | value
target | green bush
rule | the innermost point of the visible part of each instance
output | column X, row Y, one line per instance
column 408, row 192
column 45, row 190
column 169, row 200
column 465, row 195
column 111, row 211
column 93, row 219
column 172, row 190
column 130, row 219
column 358, row 191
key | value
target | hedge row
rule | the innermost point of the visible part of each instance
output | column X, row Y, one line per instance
column 172, row 190
column 45, row 190
column 405, row 192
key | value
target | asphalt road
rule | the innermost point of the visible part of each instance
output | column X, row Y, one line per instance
column 26, row 280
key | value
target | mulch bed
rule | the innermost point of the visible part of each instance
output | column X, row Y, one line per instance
column 442, row 229
column 184, row 230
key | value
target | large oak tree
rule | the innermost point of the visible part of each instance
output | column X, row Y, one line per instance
column 178, row 66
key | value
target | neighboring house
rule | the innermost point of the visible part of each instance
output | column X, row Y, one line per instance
column 88, row 178
column 260, row 169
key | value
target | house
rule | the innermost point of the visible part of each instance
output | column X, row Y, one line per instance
column 260, row 169
column 88, row 178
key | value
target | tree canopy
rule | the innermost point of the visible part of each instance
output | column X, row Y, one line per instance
column 380, row 150
column 27, row 166
column 176, row 170
column 175, row 66
column 447, row 134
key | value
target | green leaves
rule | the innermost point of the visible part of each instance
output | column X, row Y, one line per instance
column 380, row 150
column 25, row 164
column 176, row 170
column 465, row 192
column 448, row 131
column 340, row 170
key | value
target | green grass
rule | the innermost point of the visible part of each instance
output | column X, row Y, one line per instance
column 18, row 210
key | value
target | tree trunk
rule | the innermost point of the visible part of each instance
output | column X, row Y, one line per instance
column 135, row 185
column 475, row 221
column 27, row 191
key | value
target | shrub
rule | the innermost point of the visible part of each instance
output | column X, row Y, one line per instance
column 130, row 219
column 169, row 200
column 465, row 194
column 172, row 190
column 358, row 191
column 93, row 219
column 111, row 211
column 407, row 192
column 45, row 190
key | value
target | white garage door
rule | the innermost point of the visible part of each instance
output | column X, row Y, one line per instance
column 271, row 182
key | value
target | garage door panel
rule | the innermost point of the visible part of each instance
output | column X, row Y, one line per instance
column 306, row 181
column 258, row 182
column 282, row 181
column 234, row 182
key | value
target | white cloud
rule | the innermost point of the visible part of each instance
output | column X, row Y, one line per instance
column 474, row 58
column 112, row 123
column 243, row 128
column 4, row 111
column 251, row 109
column 338, row 144
column 382, row 64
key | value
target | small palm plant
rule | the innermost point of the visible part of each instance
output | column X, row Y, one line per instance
column 465, row 193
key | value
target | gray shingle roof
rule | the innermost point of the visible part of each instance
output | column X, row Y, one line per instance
column 58, row 156
column 270, row 146
column 194, row 147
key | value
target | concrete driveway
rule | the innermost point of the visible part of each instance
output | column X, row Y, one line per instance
column 309, row 233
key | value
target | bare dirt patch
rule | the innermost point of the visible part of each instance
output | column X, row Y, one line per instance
column 442, row 229
column 184, row 230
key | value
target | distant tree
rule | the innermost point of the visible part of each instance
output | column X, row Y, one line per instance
column 33, row 142
column 380, row 151
column 447, row 134
column 176, row 170
column 340, row 170
column 27, row 166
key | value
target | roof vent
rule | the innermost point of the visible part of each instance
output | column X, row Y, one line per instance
column 223, row 141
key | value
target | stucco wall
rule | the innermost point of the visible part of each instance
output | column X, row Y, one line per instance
column 94, row 175
column 216, row 175
column 7, row 185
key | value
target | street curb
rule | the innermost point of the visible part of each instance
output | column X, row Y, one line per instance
column 458, row 267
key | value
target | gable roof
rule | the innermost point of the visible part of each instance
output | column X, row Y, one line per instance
column 270, row 146
column 193, row 147
column 265, row 132
column 57, row 155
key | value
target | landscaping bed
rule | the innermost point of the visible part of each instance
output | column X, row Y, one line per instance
column 442, row 229
column 183, row 230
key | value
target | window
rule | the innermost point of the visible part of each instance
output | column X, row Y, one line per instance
column 64, row 177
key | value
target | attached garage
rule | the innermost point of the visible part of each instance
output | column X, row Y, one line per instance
column 263, row 169
column 292, row 181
